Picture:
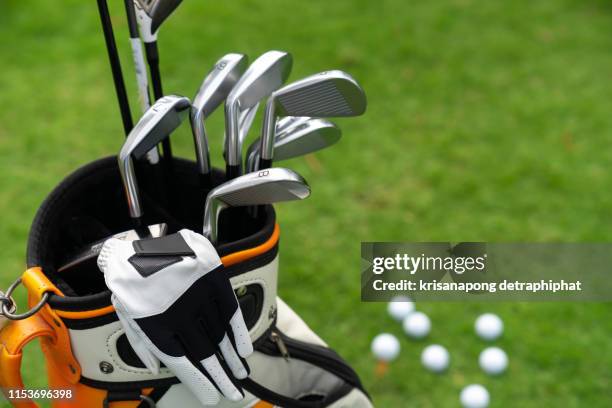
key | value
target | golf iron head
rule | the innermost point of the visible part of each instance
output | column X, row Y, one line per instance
column 151, row 14
column 286, row 123
column 327, row 94
column 266, row 74
column 154, row 125
column 307, row 137
column 213, row 91
column 264, row 187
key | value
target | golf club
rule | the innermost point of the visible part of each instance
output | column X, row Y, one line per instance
column 266, row 74
column 142, row 80
column 155, row 125
column 151, row 14
column 214, row 89
column 245, row 120
column 264, row 187
column 287, row 122
column 327, row 94
column 311, row 136
column 115, row 63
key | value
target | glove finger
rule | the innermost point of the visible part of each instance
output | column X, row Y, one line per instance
column 228, row 304
column 192, row 376
column 234, row 362
column 145, row 355
column 242, row 339
column 216, row 371
column 216, row 330
column 213, row 326
column 201, row 349
column 225, row 296
column 202, row 352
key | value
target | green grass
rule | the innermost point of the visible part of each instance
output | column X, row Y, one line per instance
column 486, row 121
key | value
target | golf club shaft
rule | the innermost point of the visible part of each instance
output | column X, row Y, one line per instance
column 145, row 101
column 141, row 74
column 153, row 61
column 139, row 67
column 113, row 56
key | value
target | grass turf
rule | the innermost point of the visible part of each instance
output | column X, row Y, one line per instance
column 486, row 121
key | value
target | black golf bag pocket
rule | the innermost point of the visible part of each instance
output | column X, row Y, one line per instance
column 83, row 342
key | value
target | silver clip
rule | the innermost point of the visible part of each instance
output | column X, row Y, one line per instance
column 9, row 306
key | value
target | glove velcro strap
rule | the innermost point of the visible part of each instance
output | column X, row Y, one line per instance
column 153, row 255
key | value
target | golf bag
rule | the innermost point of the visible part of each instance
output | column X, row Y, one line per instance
column 85, row 348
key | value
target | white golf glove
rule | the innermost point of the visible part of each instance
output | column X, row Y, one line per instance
column 177, row 306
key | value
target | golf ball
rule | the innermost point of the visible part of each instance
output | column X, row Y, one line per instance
column 400, row 307
column 493, row 360
column 474, row 396
column 435, row 358
column 417, row 325
column 489, row 326
column 385, row 347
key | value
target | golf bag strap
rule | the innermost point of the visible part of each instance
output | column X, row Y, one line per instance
column 13, row 339
column 59, row 351
column 273, row 399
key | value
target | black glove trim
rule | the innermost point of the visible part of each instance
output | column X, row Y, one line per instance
column 148, row 265
column 170, row 245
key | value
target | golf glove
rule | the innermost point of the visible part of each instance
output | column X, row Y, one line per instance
column 178, row 307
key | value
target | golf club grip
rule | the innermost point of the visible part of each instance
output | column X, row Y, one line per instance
column 232, row 171
column 264, row 164
column 113, row 56
column 152, row 54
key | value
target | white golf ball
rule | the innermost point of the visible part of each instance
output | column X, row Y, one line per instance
column 417, row 325
column 385, row 347
column 474, row 396
column 493, row 360
column 489, row 326
column 435, row 358
column 400, row 307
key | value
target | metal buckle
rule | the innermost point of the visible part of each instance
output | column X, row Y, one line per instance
column 9, row 306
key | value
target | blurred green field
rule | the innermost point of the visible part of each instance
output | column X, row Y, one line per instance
column 487, row 121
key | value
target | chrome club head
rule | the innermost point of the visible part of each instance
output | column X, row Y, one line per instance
column 213, row 91
column 154, row 125
column 286, row 123
column 266, row 74
column 308, row 137
column 152, row 13
column 265, row 187
column 327, row 94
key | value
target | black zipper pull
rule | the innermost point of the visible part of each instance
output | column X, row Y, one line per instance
column 276, row 338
